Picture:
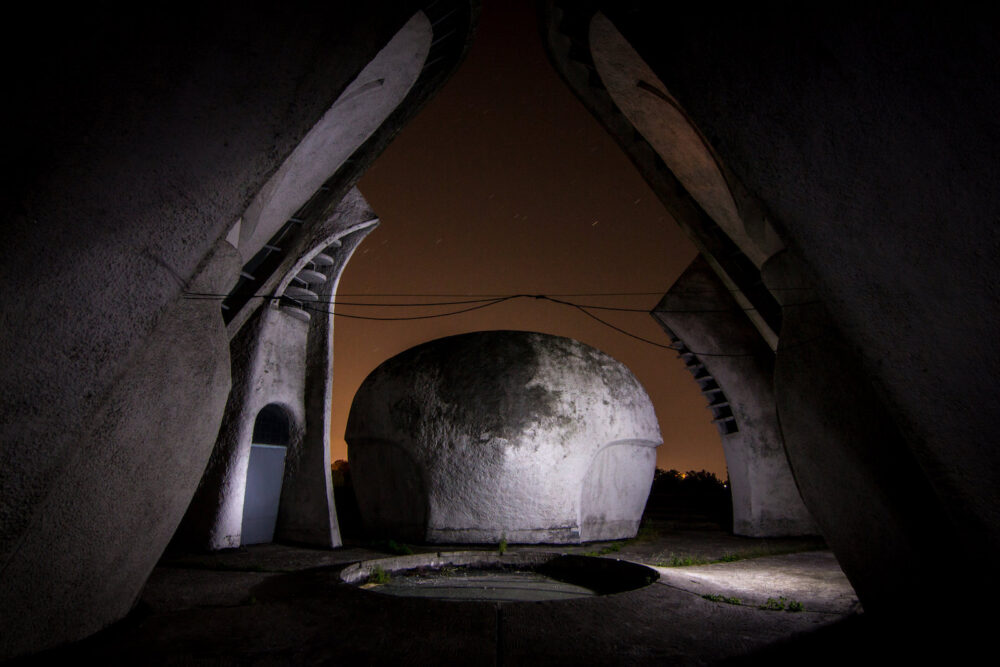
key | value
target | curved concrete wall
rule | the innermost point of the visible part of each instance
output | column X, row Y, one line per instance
column 92, row 540
column 874, row 505
column 515, row 434
column 268, row 367
column 143, row 135
column 615, row 485
column 359, row 110
column 279, row 358
column 867, row 137
column 701, row 312
column 650, row 108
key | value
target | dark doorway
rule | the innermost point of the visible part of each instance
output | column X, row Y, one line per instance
column 264, row 475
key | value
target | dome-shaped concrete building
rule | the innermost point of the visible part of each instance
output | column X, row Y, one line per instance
column 502, row 435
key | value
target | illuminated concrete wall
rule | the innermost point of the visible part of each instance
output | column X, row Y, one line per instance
column 283, row 356
column 502, row 434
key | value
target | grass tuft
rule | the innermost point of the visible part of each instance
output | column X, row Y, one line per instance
column 755, row 552
column 723, row 598
column 378, row 576
column 604, row 551
column 398, row 548
column 782, row 604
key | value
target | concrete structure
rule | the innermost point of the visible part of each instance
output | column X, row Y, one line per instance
column 152, row 168
column 734, row 368
column 836, row 167
column 283, row 356
column 502, row 434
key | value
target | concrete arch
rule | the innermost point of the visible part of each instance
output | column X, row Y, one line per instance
column 704, row 320
column 272, row 426
column 655, row 113
column 269, row 444
column 130, row 383
column 350, row 121
column 283, row 355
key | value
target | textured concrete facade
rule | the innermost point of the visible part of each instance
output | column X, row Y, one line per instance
column 150, row 142
column 838, row 171
column 734, row 368
column 859, row 151
column 280, row 359
column 502, row 434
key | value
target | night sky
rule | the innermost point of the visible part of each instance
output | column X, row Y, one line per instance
column 505, row 184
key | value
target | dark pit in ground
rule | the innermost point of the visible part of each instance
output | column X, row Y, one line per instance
column 487, row 576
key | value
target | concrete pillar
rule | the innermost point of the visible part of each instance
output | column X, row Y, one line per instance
column 308, row 514
column 268, row 360
column 734, row 368
column 93, row 539
column 283, row 355
column 873, row 503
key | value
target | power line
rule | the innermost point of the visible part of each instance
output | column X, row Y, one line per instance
column 486, row 303
column 612, row 326
column 497, row 298
column 401, row 319
column 218, row 297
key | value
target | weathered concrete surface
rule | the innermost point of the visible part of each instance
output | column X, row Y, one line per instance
column 852, row 464
column 248, row 608
column 868, row 137
column 701, row 312
column 143, row 135
column 123, row 193
column 813, row 578
column 268, row 368
column 307, row 512
column 650, row 108
column 99, row 531
column 278, row 359
column 496, row 434
column 359, row 110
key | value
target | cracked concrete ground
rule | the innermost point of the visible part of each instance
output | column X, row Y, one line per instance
column 279, row 605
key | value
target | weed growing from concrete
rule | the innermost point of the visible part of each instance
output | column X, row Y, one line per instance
column 398, row 548
column 782, row 604
column 604, row 551
column 502, row 547
column 723, row 598
column 756, row 552
column 378, row 576
column 681, row 561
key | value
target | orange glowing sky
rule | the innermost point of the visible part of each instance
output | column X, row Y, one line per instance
column 504, row 183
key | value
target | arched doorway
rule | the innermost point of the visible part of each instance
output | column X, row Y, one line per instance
column 265, row 473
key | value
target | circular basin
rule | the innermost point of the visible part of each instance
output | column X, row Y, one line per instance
column 490, row 576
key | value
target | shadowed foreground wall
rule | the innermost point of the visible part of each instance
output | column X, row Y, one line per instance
column 866, row 138
column 142, row 135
